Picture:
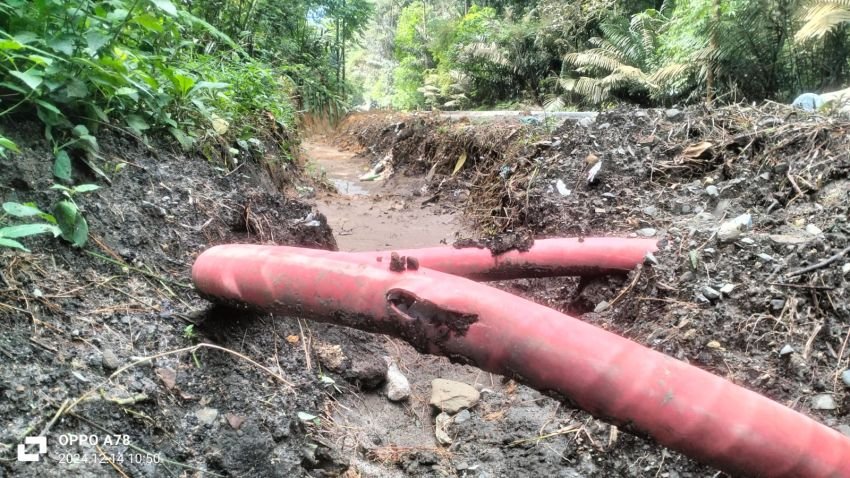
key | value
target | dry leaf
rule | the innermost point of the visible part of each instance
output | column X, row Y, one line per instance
column 293, row 339
column 460, row 162
column 168, row 377
column 698, row 150
column 235, row 421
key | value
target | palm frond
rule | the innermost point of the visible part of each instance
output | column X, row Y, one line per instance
column 822, row 17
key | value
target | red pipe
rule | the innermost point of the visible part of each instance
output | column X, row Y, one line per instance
column 641, row 390
column 545, row 258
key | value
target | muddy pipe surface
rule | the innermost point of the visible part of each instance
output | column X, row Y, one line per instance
column 546, row 258
column 643, row 391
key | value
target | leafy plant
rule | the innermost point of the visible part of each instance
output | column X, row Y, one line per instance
column 65, row 220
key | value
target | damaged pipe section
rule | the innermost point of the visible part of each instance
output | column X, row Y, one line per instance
column 546, row 258
column 641, row 390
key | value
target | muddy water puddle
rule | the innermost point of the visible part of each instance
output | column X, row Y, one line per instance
column 370, row 215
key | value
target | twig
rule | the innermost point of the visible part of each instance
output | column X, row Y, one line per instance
column 111, row 461
column 136, row 269
column 191, row 349
column 821, row 264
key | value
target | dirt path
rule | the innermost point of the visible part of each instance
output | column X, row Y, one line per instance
column 369, row 215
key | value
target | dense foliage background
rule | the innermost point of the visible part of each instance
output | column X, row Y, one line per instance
column 583, row 53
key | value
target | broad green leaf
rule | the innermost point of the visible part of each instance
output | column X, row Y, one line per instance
column 40, row 60
column 62, row 166
column 48, row 106
column 211, row 85
column 461, row 160
column 137, row 124
column 184, row 139
column 10, row 45
column 95, row 40
column 26, row 37
column 31, row 77
column 166, row 6
column 182, row 83
column 12, row 244
column 81, row 132
column 63, row 44
column 118, row 15
column 20, row 210
column 73, row 225
column 77, row 89
column 127, row 91
column 148, row 22
column 26, row 230
column 86, row 188
column 9, row 144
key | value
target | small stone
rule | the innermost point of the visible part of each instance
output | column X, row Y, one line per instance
column 747, row 240
column 786, row 350
column 813, row 230
column 709, row 293
column 646, row 232
column 845, row 269
column 462, row 416
column 845, row 377
column 109, row 360
column 712, row 191
column 713, row 344
column 440, row 423
column 650, row 211
column 727, row 289
column 398, row 387
column 451, row 397
column 602, row 306
column 824, row 401
column 673, row 114
column 206, row 415
column 586, row 122
column 765, row 257
column 843, row 429
column 730, row 230
column 462, row 466
column 789, row 239
column 562, row 188
column 777, row 304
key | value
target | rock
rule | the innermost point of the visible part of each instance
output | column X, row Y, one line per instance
column 747, row 240
column 602, row 306
column 727, row 289
column 109, row 360
column 843, row 429
column 789, row 239
column 813, row 230
column 712, row 191
column 650, row 211
column 845, row 269
column 451, row 397
column 646, row 232
column 562, row 188
column 440, row 424
column 765, row 257
column 845, row 377
column 206, row 415
column 398, row 387
column 824, row 401
column 786, row 350
column 710, row 293
column 674, row 114
column 462, row 416
column 808, row 102
column 730, row 230
column 586, row 122
column 777, row 304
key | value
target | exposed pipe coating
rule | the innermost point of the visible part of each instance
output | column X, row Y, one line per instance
column 641, row 390
column 545, row 258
